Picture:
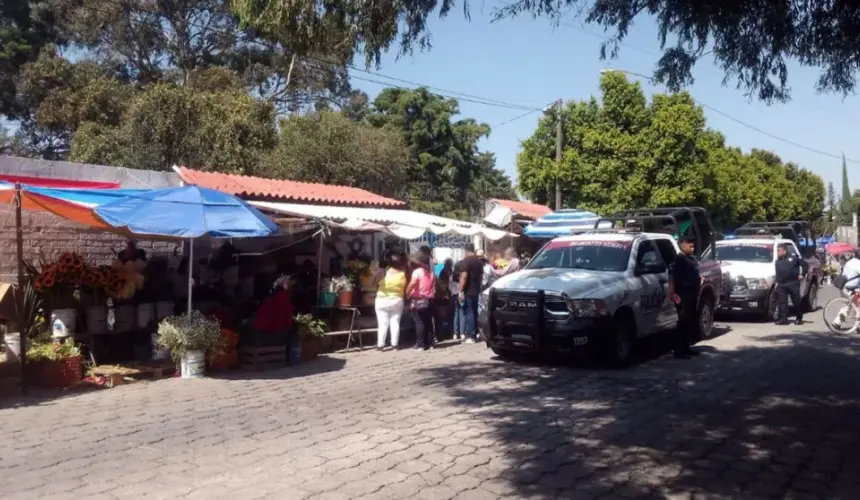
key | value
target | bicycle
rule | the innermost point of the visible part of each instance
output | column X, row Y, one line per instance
column 847, row 310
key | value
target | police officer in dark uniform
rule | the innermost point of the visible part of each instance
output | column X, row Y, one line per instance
column 790, row 271
column 686, row 284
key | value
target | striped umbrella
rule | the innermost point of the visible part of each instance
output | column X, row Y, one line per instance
column 562, row 223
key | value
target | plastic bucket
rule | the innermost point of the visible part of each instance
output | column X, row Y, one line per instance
column 193, row 364
column 63, row 323
column 328, row 298
column 145, row 315
column 12, row 341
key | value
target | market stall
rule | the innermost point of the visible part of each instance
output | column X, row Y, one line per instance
column 129, row 296
column 355, row 241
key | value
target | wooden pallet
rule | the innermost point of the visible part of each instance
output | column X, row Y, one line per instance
column 261, row 358
column 121, row 374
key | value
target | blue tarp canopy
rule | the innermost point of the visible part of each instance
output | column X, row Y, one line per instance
column 186, row 212
column 562, row 223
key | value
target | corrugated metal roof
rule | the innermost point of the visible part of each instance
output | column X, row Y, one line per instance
column 242, row 185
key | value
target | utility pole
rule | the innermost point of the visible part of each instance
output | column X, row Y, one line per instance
column 559, row 145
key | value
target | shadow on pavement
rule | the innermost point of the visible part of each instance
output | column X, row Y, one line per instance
column 780, row 420
column 323, row 364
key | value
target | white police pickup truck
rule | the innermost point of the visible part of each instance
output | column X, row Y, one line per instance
column 599, row 290
column 748, row 268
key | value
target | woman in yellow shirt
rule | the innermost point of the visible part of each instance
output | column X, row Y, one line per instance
column 389, row 300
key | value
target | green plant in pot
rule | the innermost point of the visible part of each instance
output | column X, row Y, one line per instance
column 309, row 326
column 343, row 287
column 188, row 338
column 55, row 364
column 310, row 331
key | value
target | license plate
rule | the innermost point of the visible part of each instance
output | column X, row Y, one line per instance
column 580, row 341
column 752, row 304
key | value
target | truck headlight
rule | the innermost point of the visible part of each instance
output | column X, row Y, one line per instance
column 757, row 284
column 587, row 308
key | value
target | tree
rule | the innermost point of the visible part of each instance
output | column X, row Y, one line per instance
column 167, row 41
column 831, row 201
column 448, row 174
column 25, row 27
column 625, row 152
column 330, row 148
column 846, row 207
column 750, row 41
column 225, row 130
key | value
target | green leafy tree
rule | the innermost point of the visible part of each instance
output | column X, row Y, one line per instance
column 751, row 42
column 225, row 130
column 831, row 202
column 26, row 26
column 448, row 175
column 330, row 148
column 624, row 152
column 847, row 206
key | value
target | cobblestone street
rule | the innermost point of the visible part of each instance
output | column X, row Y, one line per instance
column 763, row 413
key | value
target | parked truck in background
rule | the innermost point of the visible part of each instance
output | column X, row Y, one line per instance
column 748, row 264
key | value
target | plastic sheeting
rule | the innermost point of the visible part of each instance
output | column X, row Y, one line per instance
column 186, row 212
column 404, row 224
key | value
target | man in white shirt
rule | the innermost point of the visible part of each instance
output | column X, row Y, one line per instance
column 851, row 273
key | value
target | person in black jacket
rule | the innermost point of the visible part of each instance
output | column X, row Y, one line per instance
column 790, row 271
column 685, row 286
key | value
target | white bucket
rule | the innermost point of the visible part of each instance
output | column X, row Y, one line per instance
column 193, row 364
column 164, row 309
column 145, row 315
column 63, row 323
column 12, row 341
column 158, row 353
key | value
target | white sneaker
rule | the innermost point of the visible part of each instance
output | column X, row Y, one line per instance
column 457, row 337
column 470, row 341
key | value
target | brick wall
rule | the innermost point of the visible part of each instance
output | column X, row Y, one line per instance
column 47, row 235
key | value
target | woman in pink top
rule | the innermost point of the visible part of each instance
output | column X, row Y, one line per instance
column 420, row 291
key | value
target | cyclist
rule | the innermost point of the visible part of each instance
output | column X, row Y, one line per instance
column 851, row 278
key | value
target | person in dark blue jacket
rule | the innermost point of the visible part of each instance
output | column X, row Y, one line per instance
column 684, row 291
column 790, row 272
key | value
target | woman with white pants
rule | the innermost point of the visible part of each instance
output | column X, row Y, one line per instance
column 389, row 300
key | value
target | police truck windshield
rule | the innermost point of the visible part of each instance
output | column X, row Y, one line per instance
column 590, row 255
column 745, row 252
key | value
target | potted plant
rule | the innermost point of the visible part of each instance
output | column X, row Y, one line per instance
column 55, row 364
column 188, row 338
column 29, row 321
column 310, row 331
column 343, row 287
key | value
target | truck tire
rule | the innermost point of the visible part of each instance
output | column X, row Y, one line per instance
column 769, row 313
column 810, row 301
column 619, row 348
column 706, row 318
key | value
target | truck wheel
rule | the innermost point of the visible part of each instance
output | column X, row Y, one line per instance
column 770, row 308
column 619, row 347
column 810, row 302
column 706, row 318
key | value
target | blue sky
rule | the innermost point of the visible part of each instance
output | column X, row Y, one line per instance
column 528, row 62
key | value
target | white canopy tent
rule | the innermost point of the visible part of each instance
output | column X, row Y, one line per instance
column 404, row 224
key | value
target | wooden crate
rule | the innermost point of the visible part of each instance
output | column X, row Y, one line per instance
column 261, row 358
column 121, row 374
